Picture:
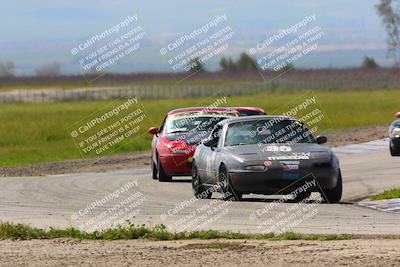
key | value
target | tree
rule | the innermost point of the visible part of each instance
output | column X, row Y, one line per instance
column 389, row 11
column 53, row 69
column 246, row 63
column 232, row 65
column 7, row 69
column 195, row 65
column 369, row 63
column 224, row 64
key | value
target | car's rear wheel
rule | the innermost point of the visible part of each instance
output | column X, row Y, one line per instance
column 335, row 194
column 229, row 193
column 199, row 190
column 162, row 176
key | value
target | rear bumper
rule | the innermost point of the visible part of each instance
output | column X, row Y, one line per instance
column 282, row 182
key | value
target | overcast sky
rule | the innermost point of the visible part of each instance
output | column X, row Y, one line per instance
column 35, row 33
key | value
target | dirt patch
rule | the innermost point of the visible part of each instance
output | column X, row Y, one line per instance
column 142, row 160
column 68, row 252
column 103, row 164
column 357, row 135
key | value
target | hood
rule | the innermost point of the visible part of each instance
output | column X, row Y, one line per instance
column 190, row 138
column 263, row 152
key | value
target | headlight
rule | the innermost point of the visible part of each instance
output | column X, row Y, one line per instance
column 255, row 168
column 396, row 132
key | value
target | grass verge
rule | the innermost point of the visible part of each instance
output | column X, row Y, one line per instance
column 37, row 133
column 388, row 194
column 159, row 232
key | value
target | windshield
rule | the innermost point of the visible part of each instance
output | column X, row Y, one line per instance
column 188, row 124
column 396, row 124
column 267, row 132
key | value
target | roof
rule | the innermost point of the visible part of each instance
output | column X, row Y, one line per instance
column 200, row 109
column 260, row 110
column 205, row 115
column 213, row 109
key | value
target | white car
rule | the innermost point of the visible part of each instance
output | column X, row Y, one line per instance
column 394, row 135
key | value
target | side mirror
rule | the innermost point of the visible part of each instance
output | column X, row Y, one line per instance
column 209, row 142
column 154, row 131
column 322, row 139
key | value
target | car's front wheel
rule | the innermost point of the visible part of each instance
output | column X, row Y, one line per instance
column 335, row 194
column 162, row 176
column 394, row 152
column 229, row 193
column 302, row 196
column 199, row 190
column 153, row 170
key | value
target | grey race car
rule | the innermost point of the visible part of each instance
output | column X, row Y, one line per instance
column 265, row 155
column 394, row 136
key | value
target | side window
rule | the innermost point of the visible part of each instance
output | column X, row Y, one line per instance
column 220, row 137
column 216, row 134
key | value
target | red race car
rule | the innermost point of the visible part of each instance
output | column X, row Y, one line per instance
column 174, row 143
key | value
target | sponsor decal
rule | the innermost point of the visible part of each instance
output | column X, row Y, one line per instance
column 267, row 163
column 278, row 148
column 290, row 165
column 292, row 156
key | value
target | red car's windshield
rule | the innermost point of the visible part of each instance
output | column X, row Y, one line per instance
column 187, row 124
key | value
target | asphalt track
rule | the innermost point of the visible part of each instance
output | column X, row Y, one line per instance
column 62, row 201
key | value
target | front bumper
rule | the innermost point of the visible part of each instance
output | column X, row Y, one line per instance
column 395, row 143
column 177, row 164
column 277, row 181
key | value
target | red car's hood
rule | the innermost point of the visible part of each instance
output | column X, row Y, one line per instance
column 190, row 138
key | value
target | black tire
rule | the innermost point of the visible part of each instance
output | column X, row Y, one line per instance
column 303, row 195
column 162, row 176
column 394, row 152
column 199, row 190
column 335, row 194
column 229, row 193
column 154, row 170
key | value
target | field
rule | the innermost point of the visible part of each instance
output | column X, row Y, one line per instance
column 36, row 133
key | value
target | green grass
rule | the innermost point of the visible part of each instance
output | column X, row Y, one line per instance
column 159, row 232
column 388, row 194
column 36, row 133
